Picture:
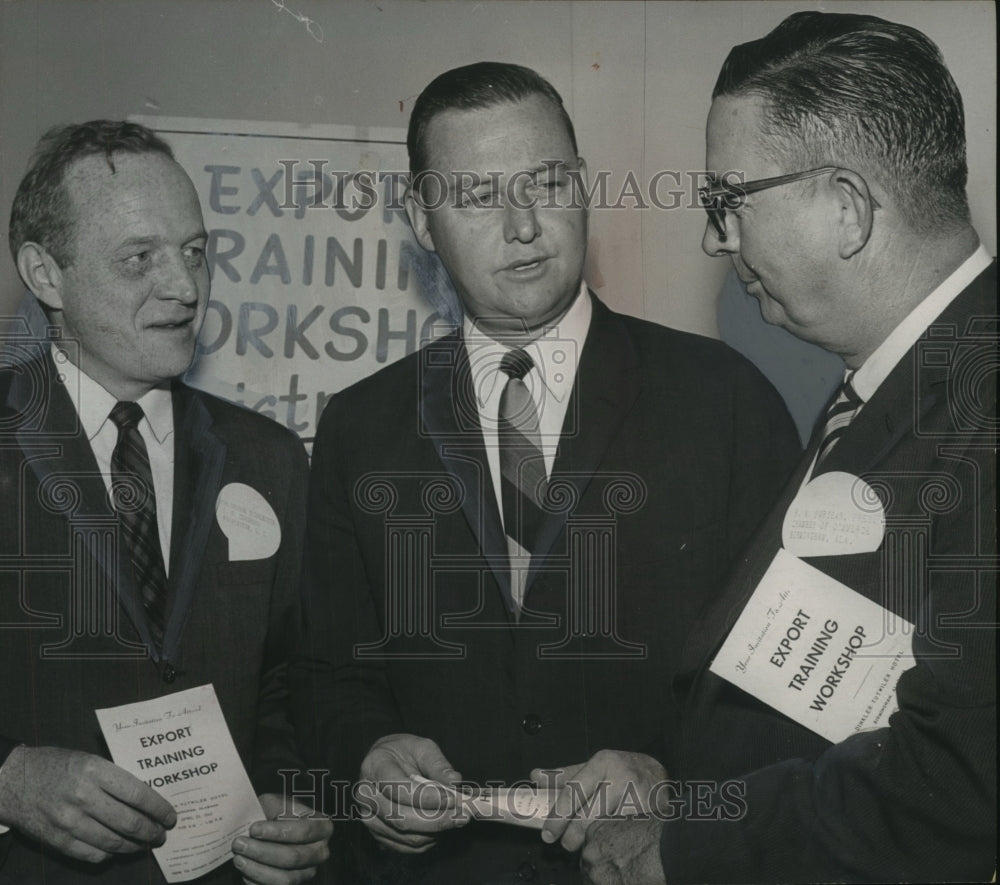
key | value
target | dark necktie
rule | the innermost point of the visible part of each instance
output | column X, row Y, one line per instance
column 838, row 417
column 523, row 480
column 135, row 502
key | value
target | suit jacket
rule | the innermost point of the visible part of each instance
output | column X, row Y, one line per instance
column 915, row 801
column 74, row 635
column 671, row 448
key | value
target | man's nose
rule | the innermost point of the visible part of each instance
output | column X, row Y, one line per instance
column 714, row 245
column 520, row 223
column 179, row 280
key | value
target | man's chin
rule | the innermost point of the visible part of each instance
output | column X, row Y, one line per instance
column 770, row 310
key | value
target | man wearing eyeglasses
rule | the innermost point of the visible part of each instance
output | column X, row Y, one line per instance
column 838, row 146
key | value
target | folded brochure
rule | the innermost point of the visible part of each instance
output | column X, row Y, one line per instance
column 180, row 745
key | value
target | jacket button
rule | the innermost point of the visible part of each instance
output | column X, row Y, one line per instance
column 526, row 872
column 169, row 674
column 531, row 724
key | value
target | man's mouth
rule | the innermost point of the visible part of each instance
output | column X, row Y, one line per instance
column 526, row 265
column 179, row 323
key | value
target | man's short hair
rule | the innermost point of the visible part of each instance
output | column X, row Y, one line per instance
column 866, row 94
column 41, row 212
column 468, row 88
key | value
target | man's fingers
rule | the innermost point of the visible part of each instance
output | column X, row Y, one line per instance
column 103, row 840
column 80, row 850
column 590, row 791
column 282, row 856
column 570, row 816
column 407, row 843
column 127, row 788
column 261, row 874
column 579, row 796
column 576, row 833
column 125, row 821
column 553, row 779
column 433, row 764
column 406, row 818
column 416, row 791
column 382, row 766
column 102, row 821
column 429, row 795
column 300, row 830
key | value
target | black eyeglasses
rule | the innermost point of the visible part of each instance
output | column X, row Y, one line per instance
column 718, row 197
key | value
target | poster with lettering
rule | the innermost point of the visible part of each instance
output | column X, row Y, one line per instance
column 180, row 745
column 817, row 651
column 317, row 280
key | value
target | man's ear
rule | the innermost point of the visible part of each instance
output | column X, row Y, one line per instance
column 856, row 208
column 417, row 214
column 41, row 274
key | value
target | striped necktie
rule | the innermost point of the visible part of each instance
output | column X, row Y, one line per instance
column 840, row 414
column 523, row 481
column 135, row 501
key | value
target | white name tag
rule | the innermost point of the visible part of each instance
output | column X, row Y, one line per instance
column 834, row 514
column 248, row 522
column 817, row 651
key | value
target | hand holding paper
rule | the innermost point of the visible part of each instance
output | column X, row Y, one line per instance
column 404, row 812
column 522, row 805
column 180, row 745
column 287, row 847
column 80, row 804
column 612, row 781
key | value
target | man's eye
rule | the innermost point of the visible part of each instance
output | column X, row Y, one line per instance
column 732, row 201
column 482, row 199
column 137, row 261
column 194, row 255
column 551, row 182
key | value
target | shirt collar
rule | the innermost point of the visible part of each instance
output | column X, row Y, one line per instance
column 555, row 353
column 877, row 367
column 94, row 404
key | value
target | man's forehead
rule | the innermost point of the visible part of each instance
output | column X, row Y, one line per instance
column 733, row 134
column 146, row 195
column 150, row 178
column 467, row 136
column 99, row 171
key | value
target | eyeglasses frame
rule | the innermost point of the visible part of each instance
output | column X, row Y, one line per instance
column 712, row 202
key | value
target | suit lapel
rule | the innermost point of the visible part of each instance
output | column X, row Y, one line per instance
column 882, row 422
column 607, row 383
column 744, row 575
column 915, row 386
column 199, row 460
column 449, row 414
column 53, row 441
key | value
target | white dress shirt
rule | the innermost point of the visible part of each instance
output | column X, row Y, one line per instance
column 94, row 404
column 874, row 370
column 555, row 353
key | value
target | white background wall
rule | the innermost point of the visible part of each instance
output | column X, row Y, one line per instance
column 636, row 77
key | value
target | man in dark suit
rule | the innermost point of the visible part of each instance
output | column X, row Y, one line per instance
column 477, row 617
column 849, row 223
column 97, row 608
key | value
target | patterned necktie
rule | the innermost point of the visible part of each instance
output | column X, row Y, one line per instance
column 523, row 481
column 135, row 501
column 838, row 416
